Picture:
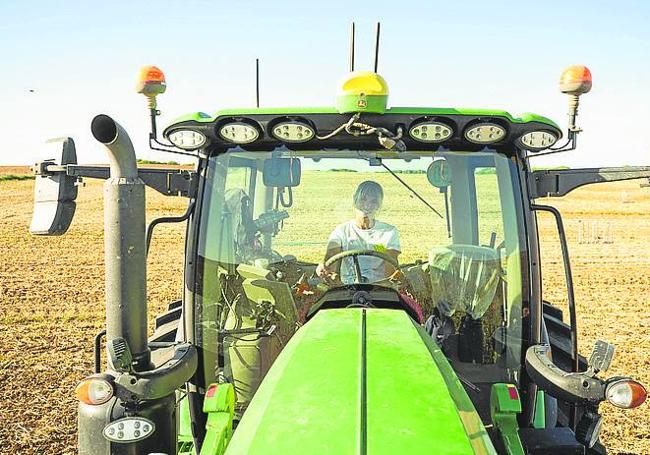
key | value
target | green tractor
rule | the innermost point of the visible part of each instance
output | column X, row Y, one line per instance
column 358, row 279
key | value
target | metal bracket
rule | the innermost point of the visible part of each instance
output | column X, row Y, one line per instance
column 556, row 183
column 170, row 182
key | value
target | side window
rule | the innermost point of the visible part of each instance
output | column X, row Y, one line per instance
column 488, row 207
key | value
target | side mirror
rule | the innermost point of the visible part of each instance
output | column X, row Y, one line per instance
column 54, row 192
column 438, row 174
column 282, row 172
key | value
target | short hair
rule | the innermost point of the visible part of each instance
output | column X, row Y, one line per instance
column 368, row 188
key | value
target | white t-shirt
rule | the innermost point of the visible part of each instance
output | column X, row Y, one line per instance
column 380, row 237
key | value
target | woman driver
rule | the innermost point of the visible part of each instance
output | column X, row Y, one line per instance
column 364, row 232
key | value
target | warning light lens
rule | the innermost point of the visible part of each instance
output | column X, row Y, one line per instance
column 430, row 132
column 239, row 133
column 626, row 394
column 538, row 140
column 293, row 132
column 575, row 80
column 151, row 74
column 187, row 139
column 94, row 391
column 485, row 133
column 151, row 81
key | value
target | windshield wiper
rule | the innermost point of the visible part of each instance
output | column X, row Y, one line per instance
column 415, row 193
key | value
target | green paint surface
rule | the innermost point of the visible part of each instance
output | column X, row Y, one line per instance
column 330, row 393
column 309, row 400
column 410, row 409
column 539, row 418
column 471, row 420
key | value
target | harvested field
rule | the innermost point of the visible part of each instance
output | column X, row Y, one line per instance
column 52, row 302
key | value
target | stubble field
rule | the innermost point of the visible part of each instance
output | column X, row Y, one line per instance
column 52, row 302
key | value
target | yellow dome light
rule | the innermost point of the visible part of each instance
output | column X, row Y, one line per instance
column 362, row 91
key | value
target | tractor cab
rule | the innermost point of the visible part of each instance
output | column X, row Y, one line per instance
column 450, row 219
column 358, row 279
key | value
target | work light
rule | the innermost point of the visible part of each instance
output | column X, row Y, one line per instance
column 239, row 132
column 129, row 429
column 538, row 140
column 485, row 133
column 293, row 131
column 430, row 132
column 187, row 139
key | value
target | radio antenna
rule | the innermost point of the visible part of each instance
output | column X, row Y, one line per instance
column 257, row 82
column 352, row 47
column 377, row 46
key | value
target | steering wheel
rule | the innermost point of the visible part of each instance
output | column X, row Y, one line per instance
column 355, row 257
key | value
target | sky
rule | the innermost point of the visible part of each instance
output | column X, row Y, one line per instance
column 65, row 62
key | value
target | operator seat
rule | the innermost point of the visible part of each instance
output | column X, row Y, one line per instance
column 464, row 284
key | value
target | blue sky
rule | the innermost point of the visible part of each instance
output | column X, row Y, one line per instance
column 82, row 59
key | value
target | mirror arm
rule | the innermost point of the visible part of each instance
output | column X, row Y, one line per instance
column 170, row 182
column 559, row 182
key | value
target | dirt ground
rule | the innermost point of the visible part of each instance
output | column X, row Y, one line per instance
column 52, row 302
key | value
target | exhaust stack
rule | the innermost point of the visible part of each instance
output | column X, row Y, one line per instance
column 124, row 240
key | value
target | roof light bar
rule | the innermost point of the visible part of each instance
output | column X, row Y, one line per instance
column 485, row 133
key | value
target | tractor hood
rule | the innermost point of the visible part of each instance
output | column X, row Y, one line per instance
column 360, row 381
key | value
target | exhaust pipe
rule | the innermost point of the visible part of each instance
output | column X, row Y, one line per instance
column 124, row 240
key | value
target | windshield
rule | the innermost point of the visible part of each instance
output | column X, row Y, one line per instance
column 280, row 231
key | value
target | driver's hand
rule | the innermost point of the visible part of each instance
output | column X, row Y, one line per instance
column 322, row 271
column 325, row 273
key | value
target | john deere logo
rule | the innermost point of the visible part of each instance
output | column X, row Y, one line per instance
column 362, row 104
